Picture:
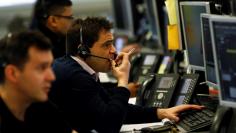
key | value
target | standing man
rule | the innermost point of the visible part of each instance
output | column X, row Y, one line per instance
column 53, row 18
column 25, row 80
column 79, row 94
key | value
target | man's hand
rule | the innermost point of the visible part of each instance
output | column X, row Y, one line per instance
column 133, row 88
column 121, row 68
column 173, row 113
column 127, row 48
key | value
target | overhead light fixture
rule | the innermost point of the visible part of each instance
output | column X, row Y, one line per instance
column 5, row 3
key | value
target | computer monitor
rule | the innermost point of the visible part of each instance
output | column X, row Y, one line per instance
column 190, row 18
column 157, row 21
column 127, row 17
column 123, row 20
column 153, row 20
column 223, row 30
column 208, row 58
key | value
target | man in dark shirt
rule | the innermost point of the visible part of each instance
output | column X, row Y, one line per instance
column 79, row 94
column 53, row 18
column 25, row 80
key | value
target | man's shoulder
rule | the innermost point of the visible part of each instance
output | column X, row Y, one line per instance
column 68, row 68
column 65, row 62
column 44, row 114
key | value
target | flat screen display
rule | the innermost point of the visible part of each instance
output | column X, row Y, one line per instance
column 190, row 16
column 224, row 36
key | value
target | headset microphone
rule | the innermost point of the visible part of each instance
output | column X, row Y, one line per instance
column 100, row 57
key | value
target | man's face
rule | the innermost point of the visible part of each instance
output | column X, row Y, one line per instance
column 103, row 47
column 34, row 80
column 63, row 20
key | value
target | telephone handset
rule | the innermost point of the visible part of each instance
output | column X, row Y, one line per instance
column 159, row 90
column 146, row 84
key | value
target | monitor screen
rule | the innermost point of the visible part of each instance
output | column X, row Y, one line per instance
column 166, row 82
column 120, row 42
column 190, row 17
column 157, row 18
column 152, row 13
column 149, row 59
column 209, row 63
column 224, row 38
column 122, row 13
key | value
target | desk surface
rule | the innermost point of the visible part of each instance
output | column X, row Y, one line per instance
column 130, row 127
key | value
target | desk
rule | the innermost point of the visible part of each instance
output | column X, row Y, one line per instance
column 128, row 128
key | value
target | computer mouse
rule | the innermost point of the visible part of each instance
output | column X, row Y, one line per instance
column 146, row 130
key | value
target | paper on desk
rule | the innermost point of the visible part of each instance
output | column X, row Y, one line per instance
column 132, row 100
column 131, row 127
column 104, row 78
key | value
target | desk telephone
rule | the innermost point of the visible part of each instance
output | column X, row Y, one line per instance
column 142, row 64
column 167, row 90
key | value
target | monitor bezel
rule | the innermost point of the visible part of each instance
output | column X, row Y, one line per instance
column 209, row 83
column 179, row 24
column 226, row 19
column 192, row 3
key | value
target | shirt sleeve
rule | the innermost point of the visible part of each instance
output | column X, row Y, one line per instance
column 138, row 114
column 88, row 107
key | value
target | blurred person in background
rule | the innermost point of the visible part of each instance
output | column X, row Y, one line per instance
column 53, row 18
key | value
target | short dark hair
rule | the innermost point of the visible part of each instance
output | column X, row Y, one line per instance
column 45, row 8
column 14, row 48
column 90, row 27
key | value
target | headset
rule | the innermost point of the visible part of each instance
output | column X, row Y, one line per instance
column 83, row 50
column 41, row 10
column 2, row 67
column 2, row 63
column 44, row 11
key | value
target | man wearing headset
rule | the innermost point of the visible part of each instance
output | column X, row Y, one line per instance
column 25, row 80
column 79, row 94
column 53, row 18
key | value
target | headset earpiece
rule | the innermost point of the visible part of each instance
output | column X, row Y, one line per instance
column 83, row 50
column 44, row 13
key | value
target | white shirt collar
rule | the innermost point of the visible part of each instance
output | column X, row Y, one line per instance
column 84, row 65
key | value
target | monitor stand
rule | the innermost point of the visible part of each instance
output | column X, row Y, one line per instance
column 224, row 121
column 202, row 87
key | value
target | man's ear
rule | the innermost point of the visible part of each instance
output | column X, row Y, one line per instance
column 52, row 21
column 11, row 73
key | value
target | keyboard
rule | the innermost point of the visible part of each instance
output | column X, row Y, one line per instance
column 195, row 120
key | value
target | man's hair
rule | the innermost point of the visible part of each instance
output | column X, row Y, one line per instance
column 14, row 48
column 87, row 29
column 44, row 8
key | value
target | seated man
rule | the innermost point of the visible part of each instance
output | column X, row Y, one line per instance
column 25, row 80
column 78, row 93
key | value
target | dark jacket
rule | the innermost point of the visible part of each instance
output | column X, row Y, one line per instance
column 39, row 118
column 58, row 41
column 87, row 105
